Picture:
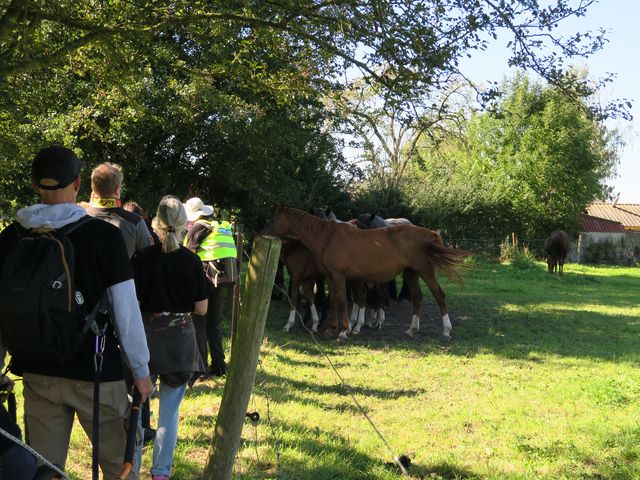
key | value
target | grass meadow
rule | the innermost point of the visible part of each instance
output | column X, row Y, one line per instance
column 541, row 381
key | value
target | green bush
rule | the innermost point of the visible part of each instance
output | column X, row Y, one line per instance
column 518, row 257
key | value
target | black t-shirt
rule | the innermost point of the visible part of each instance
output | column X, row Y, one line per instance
column 101, row 261
column 168, row 282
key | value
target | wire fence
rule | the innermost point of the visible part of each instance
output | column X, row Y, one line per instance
column 349, row 393
column 493, row 247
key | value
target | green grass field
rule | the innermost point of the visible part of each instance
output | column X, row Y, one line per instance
column 540, row 382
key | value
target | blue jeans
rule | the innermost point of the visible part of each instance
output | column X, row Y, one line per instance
column 167, row 432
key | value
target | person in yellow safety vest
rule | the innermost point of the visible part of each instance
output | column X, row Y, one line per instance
column 211, row 241
column 219, row 243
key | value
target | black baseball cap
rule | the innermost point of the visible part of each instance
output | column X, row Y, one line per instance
column 56, row 163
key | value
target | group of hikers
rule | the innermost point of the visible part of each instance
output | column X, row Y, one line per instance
column 95, row 305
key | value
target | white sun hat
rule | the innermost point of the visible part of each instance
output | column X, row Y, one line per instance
column 196, row 208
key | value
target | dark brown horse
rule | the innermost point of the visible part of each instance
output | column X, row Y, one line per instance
column 557, row 246
column 347, row 252
column 304, row 271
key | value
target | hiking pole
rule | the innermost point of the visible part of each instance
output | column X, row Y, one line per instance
column 130, row 448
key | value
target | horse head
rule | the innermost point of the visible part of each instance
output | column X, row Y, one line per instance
column 280, row 225
column 324, row 213
column 367, row 221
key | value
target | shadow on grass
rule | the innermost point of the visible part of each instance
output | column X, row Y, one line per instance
column 326, row 455
column 511, row 313
column 285, row 389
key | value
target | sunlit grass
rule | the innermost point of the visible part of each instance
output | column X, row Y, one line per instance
column 540, row 382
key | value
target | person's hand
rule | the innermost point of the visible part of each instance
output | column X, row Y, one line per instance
column 145, row 388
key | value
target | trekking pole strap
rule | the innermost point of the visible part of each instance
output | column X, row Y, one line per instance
column 98, row 359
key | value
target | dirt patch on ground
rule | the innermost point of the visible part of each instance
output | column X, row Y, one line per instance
column 397, row 320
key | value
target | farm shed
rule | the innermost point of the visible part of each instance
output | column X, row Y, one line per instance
column 609, row 233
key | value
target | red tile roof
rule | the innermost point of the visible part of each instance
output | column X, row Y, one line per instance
column 594, row 224
column 627, row 214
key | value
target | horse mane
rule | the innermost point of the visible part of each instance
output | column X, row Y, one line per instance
column 309, row 222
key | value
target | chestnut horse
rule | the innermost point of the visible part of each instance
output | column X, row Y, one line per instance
column 557, row 246
column 346, row 252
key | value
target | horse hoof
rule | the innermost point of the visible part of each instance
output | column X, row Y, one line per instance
column 342, row 337
column 446, row 339
column 409, row 332
column 328, row 333
column 286, row 328
column 354, row 332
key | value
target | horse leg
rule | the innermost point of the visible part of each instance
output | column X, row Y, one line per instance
column 561, row 266
column 359, row 295
column 333, row 314
column 393, row 289
column 307, row 286
column 353, row 318
column 294, row 297
column 380, row 317
column 382, row 300
column 410, row 278
column 429, row 277
column 278, row 289
column 321, row 300
column 340, row 293
column 405, row 293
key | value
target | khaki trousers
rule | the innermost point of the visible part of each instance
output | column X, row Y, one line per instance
column 50, row 404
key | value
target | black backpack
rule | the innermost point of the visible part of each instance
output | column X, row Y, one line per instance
column 41, row 318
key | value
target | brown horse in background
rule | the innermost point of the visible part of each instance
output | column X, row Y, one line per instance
column 347, row 252
column 557, row 246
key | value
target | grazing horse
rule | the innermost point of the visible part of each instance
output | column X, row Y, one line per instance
column 557, row 246
column 347, row 252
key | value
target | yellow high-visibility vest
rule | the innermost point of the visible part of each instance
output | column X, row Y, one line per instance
column 219, row 243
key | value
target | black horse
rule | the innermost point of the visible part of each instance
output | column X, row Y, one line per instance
column 557, row 246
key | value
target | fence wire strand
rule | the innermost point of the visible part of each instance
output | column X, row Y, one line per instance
column 346, row 387
column 343, row 383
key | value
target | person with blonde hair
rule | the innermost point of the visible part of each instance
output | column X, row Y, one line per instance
column 171, row 286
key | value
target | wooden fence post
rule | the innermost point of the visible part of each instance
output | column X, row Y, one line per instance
column 244, row 358
column 235, row 305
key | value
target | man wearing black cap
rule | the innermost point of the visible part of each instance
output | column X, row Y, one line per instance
column 55, row 392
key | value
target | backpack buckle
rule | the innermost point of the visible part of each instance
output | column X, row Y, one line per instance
column 56, row 285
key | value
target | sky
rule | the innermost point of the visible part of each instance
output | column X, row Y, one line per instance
column 621, row 55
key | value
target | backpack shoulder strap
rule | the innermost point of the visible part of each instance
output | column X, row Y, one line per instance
column 205, row 223
column 70, row 227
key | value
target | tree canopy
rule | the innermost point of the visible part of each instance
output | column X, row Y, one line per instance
column 229, row 98
column 529, row 166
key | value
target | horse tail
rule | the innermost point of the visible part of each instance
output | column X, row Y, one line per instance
column 448, row 260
